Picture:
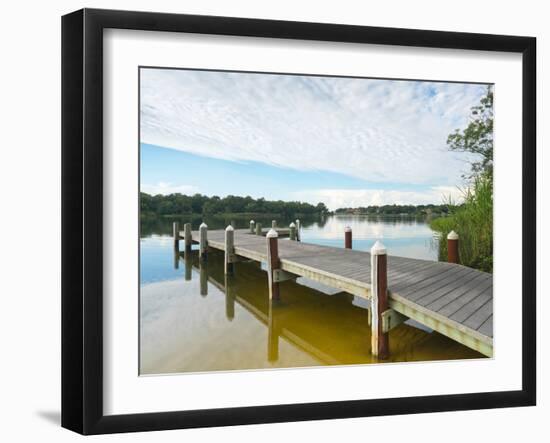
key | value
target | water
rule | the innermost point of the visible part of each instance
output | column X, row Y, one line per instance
column 193, row 318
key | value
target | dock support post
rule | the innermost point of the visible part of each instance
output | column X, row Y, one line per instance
column 188, row 265
column 379, row 300
column 252, row 226
column 298, row 230
column 229, row 299
column 452, row 247
column 176, row 259
column 273, row 263
column 292, row 233
column 258, row 228
column 203, row 270
column 188, row 237
column 274, row 224
column 176, row 233
column 203, row 241
column 272, row 336
column 229, row 250
column 347, row 238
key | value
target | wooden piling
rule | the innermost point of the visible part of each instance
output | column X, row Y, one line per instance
column 347, row 238
column 274, row 224
column 229, row 299
column 273, row 263
column 188, row 237
column 379, row 300
column 176, row 234
column 229, row 250
column 272, row 335
column 176, row 259
column 298, row 230
column 258, row 228
column 203, row 270
column 188, row 265
column 452, row 247
column 252, row 226
column 292, row 231
column 203, row 241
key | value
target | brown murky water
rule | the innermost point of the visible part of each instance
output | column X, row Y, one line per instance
column 195, row 319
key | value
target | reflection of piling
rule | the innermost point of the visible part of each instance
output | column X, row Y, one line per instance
column 272, row 336
column 379, row 300
column 292, row 231
column 203, row 241
column 298, row 230
column 347, row 238
column 188, row 237
column 229, row 250
column 252, row 226
column 258, row 228
column 229, row 299
column 176, row 234
column 273, row 263
column 452, row 247
column 188, row 265
column 203, row 269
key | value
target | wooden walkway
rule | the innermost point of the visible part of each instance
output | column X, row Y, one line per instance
column 452, row 299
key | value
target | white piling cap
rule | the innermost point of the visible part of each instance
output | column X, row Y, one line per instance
column 203, row 225
column 229, row 228
column 292, row 225
column 347, row 229
column 297, row 220
column 378, row 248
column 252, row 222
column 272, row 233
column 452, row 236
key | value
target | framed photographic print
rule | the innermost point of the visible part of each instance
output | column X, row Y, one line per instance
column 269, row 221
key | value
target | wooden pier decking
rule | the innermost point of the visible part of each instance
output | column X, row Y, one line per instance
column 451, row 299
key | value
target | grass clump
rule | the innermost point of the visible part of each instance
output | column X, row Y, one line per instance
column 473, row 222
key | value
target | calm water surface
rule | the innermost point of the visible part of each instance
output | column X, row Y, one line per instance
column 194, row 319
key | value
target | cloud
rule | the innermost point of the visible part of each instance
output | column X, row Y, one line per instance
column 168, row 188
column 344, row 198
column 376, row 130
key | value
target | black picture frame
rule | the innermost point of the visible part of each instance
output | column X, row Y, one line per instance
column 82, row 218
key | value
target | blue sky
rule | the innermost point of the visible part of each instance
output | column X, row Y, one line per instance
column 346, row 142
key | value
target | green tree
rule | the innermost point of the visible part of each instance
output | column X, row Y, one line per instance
column 477, row 138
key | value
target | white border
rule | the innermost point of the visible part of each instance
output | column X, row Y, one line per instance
column 125, row 392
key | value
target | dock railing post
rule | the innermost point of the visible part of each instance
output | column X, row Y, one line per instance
column 229, row 250
column 379, row 300
column 347, row 238
column 252, row 226
column 298, row 231
column 452, row 247
column 176, row 233
column 292, row 231
column 188, row 237
column 203, row 241
column 273, row 263
column 258, row 228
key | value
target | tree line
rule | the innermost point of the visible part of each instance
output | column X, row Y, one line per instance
column 417, row 210
column 181, row 204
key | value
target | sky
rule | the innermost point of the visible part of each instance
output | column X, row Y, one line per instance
column 346, row 142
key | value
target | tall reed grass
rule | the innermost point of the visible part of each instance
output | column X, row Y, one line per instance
column 473, row 222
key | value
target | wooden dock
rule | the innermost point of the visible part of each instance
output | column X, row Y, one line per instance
column 451, row 299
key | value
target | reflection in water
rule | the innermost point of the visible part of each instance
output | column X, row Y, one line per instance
column 237, row 327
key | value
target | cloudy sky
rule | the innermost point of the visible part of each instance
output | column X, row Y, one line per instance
column 346, row 142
